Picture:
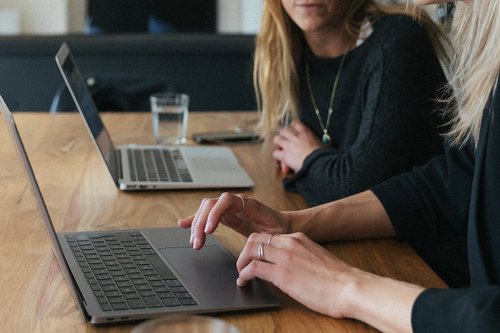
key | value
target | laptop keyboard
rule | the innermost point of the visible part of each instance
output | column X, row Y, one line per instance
column 125, row 272
column 157, row 165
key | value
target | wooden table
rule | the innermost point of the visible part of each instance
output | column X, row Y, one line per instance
column 81, row 196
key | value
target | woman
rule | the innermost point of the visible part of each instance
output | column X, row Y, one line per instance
column 456, row 193
column 360, row 82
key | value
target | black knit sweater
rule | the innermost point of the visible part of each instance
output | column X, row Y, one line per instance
column 383, row 121
column 454, row 196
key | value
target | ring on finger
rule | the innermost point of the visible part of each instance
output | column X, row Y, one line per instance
column 242, row 203
column 260, row 252
column 270, row 238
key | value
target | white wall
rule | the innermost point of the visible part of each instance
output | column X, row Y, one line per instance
column 63, row 16
column 9, row 21
column 238, row 16
column 48, row 16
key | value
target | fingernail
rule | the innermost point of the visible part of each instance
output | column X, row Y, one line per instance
column 196, row 244
column 191, row 239
column 240, row 282
column 208, row 227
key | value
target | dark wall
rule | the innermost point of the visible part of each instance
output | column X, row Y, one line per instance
column 120, row 16
column 215, row 70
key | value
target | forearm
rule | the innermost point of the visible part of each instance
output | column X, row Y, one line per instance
column 383, row 303
column 355, row 217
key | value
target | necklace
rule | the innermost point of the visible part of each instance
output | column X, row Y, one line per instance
column 326, row 139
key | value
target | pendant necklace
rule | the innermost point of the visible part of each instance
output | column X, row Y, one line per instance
column 326, row 139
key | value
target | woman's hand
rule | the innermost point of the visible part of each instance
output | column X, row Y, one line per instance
column 316, row 278
column 299, row 267
column 294, row 144
column 243, row 214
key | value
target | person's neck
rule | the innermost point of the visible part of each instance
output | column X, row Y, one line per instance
column 328, row 44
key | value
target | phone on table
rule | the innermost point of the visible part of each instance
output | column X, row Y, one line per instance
column 226, row 136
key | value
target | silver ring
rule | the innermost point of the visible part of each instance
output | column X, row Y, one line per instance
column 260, row 251
column 242, row 203
column 270, row 238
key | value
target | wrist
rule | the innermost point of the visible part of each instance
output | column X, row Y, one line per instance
column 353, row 292
column 320, row 223
column 289, row 222
column 300, row 221
column 383, row 303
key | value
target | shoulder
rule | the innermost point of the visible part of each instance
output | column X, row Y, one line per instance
column 400, row 29
column 402, row 39
column 398, row 24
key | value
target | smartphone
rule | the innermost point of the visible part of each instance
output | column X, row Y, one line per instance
column 229, row 136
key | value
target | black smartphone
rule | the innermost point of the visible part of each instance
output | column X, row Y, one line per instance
column 229, row 136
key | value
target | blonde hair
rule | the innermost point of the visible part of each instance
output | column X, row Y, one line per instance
column 475, row 66
column 279, row 46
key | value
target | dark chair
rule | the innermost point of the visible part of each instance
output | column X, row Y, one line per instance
column 117, row 16
column 154, row 16
column 114, row 93
column 214, row 70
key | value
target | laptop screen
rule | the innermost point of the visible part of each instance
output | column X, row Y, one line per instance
column 87, row 108
column 42, row 207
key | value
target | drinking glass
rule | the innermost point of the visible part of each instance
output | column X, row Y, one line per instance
column 170, row 117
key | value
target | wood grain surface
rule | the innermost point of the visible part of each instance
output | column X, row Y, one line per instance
column 81, row 195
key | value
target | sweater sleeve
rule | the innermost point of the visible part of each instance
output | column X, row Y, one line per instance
column 396, row 129
column 429, row 209
column 431, row 202
column 474, row 309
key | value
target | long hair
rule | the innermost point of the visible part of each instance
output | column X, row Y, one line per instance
column 279, row 46
column 475, row 66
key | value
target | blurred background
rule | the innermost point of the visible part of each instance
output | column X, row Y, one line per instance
column 115, row 16
column 56, row 17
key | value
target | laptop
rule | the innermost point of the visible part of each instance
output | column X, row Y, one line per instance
column 142, row 167
column 126, row 275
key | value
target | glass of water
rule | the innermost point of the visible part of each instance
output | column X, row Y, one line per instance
column 170, row 117
column 185, row 324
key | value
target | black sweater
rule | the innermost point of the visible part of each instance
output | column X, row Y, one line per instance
column 381, row 124
column 457, row 193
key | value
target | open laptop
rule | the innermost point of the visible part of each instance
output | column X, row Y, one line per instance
column 140, row 167
column 128, row 275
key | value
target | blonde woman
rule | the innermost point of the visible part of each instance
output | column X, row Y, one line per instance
column 360, row 82
column 457, row 193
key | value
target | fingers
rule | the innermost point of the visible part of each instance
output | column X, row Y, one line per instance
column 256, row 269
column 299, row 127
column 267, row 252
column 280, row 155
column 285, row 168
column 198, row 223
column 227, row 203
column 185, row 222
column 284, row 136
column 209, row 215
column 261, row 256
column 294, row 144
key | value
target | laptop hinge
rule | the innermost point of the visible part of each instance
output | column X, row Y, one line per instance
column 119, row 163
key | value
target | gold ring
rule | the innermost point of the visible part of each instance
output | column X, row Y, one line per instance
column 270, row 238
column 242, row 203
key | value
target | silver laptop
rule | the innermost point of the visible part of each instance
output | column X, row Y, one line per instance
column 140, row 167
column 128, row 275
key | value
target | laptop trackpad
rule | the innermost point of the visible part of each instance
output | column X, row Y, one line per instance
column 210, row 275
